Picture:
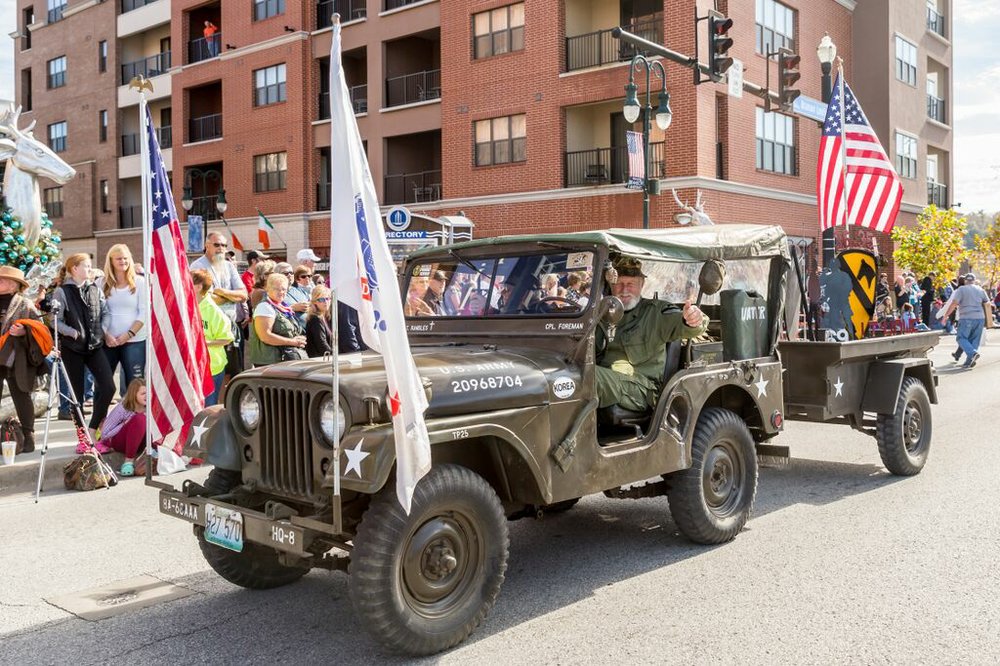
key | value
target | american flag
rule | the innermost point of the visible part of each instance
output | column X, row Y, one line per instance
column 636, row 161
column 178, row 373
column 855, row 180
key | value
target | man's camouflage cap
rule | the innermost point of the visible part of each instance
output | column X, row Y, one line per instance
column 628, row 266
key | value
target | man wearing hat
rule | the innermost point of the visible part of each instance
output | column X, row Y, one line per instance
column 24, row 343
column 969, row 300
column 630, row 363
column 306, row 257
column 253, row 258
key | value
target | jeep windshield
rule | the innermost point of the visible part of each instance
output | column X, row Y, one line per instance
column 513, row 285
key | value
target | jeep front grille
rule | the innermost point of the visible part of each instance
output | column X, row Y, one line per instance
column 286, row 460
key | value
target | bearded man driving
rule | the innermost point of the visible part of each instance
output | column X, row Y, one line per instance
column 630, row 363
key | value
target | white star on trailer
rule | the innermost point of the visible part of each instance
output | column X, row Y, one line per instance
column 839, row 386
column 761, row 387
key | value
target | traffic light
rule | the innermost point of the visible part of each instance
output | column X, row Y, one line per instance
column 719, row 43
column 788, row 74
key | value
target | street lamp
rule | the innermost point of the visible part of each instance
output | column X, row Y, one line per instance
column 187, row 198
column 663, row 117
column 827, row 53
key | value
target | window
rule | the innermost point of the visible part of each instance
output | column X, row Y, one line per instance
column 498, row 31
column 269, row 172
column 906, row 155
column 57, row 72
column 102, row 56
column 105, row 208
column 102, row 124
column 776, row 143
column 56, row 8
column 57, row 136
column 501, row 140
column 775, row 27
column 26, row 89
column 52, row 199
column 27, row 18
column 263, row 9
column 906, row 61
column 269, row 85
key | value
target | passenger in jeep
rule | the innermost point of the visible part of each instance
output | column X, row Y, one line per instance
column 630, row 362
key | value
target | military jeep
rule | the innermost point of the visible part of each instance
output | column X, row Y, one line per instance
column 506, row 334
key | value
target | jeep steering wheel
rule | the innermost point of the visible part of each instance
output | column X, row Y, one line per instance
column 553, row 303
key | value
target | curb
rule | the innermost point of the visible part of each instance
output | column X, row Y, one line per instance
column 21, row 477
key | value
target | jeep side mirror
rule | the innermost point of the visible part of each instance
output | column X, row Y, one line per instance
column 711, row 277
column 612, row 310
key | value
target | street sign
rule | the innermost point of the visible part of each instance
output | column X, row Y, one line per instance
column 398, row 218
column 735, row 79
column 810, row 107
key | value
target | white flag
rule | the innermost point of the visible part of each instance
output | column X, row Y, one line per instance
column 364, row 276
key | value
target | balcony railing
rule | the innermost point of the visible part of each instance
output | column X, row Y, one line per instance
column 396, row 4
column 203, row 49
column 322, row 196
column 131, row 145
column 359, row 100
column 935, row 108
column 129, row 217
column 600, row 166
column 149, row 67
column 935, row 21
column 412, row 88
column 129, row 5
column 412, row 187
column 205, row 128
column 600, row 48
column 205, row 206
column 349, row 10
column 165, row 136
column 937, row 194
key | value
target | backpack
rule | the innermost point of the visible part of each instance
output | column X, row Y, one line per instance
column 87, row 472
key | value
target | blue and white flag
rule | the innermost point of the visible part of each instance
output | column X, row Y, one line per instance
column 636, row 161
column 364, row 277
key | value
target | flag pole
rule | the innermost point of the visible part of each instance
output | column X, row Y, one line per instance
column 843, row 144
column 334, row 344
column 147, row 248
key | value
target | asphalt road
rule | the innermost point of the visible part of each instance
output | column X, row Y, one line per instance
column 840, row 563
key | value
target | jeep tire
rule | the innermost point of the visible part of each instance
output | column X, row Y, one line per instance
column 904, row 437
column 255, row 568
column 421, row 583
column 711, row 500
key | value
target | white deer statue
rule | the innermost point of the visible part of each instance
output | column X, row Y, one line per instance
column 27, row 158
column 697, row 211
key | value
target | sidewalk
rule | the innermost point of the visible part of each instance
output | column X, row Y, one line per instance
column 23, row 474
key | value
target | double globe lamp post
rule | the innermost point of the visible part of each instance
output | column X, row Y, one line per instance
column 187, row 200
column 663, row 118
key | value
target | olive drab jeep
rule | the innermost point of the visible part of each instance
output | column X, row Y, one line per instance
column 506, row 334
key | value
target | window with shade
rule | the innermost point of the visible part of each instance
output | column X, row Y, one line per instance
column 57, row 136
column 269, row 85
column 270, row 172
column 775, row 25
column 501, row 140
column 52, row 200
column 498, row 31
column 906, row 61
column 776, row 143
column 906, row 155
column 57, row 72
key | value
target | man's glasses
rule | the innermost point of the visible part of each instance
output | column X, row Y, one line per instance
column 220, row 244
column 287, row 273
column 306, row 275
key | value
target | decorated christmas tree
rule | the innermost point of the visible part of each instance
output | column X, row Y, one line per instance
column 14, row 250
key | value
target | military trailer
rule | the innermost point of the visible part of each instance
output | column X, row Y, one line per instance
column 507, row 353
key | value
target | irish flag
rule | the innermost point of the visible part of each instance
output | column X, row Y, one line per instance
column 264, row 228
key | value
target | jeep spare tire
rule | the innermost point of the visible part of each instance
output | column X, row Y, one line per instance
column 711, row 500
column 421, row 583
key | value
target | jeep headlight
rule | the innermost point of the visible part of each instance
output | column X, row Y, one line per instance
column 249, row 409
column 333, row 432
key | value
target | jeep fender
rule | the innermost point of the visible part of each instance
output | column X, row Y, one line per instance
column 886, row 377
column 212, row 438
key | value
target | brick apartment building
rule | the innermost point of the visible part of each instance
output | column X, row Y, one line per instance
column 509, row 112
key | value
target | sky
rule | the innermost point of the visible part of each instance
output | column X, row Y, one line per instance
column 976, row 89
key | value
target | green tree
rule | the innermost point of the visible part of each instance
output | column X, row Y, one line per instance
column 935, row 243
column 985, row 255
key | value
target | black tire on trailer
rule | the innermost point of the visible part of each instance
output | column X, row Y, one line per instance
column 421, row 583
column 711, row 500
column 255, row 568
column 904, row 437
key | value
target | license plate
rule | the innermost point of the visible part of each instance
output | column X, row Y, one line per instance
column 224, row 527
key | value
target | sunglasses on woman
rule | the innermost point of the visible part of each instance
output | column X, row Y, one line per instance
column 324, row 299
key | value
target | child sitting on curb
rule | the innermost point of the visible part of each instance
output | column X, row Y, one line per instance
column 124, row 429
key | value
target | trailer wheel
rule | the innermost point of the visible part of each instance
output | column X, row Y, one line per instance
column 711, row 500
column 421, row 583
column 904, row 437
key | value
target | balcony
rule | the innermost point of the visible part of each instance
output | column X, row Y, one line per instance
column 349, row 10
column 359, row 101
column 130, row 217
column 149, row 67
column 935, row 108
column 205, row 128
column 935, row 21
column 598, row 48
column 419, row 187
column 601, row 166
column 937, row 194
column 131, row 145
column 204, row 48
column 129, row 5
column 412, row 88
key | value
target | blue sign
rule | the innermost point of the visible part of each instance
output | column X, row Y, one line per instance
column 398, row 218
column 810, row 107
column 196, row 233
column 397, row 235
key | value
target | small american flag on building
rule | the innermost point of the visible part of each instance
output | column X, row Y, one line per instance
column 855, row 180
column 636, row 161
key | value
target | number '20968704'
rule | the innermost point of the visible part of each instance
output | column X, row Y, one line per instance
column 486, row 383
